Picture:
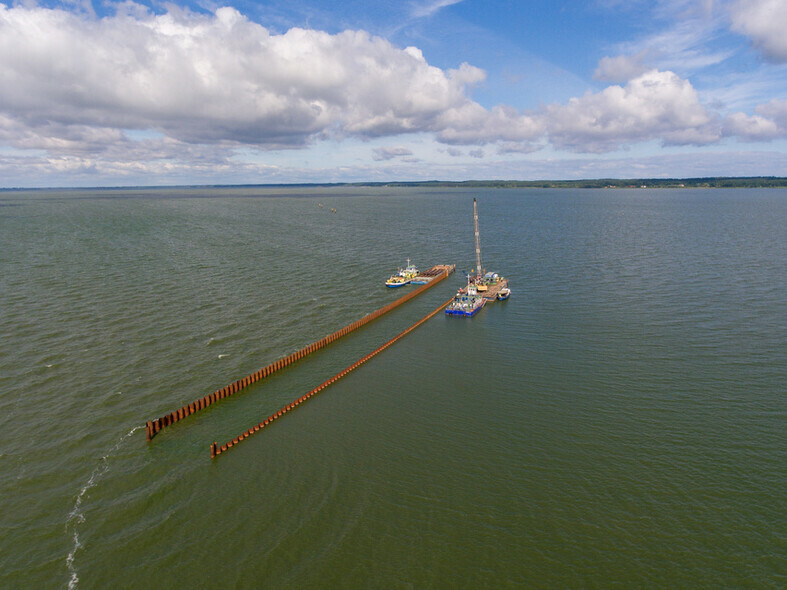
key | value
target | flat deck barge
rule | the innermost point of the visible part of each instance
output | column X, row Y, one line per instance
column 491, row 290
column 433, row 272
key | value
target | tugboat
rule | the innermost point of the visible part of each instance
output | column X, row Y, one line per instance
column 397, row 281
column 403, row 276
column 503, row 294
column 467, row 301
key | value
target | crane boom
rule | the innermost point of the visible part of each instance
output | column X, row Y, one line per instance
column 477, row 238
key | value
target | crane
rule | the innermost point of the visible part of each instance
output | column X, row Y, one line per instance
column 477, row 238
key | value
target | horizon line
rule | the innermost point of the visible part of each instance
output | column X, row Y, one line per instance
column 772, row 182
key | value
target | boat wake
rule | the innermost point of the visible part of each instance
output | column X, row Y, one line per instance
column 76, row 516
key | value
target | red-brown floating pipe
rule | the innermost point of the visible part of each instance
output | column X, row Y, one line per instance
column 172, row 417
column 335, row 378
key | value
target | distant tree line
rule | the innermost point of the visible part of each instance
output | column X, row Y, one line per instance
column 707, row 182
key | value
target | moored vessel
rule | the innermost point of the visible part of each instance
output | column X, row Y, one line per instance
column 466, row 302
column 397, row 281
column 403, row 276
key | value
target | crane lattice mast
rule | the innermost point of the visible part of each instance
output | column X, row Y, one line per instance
column 477, row 238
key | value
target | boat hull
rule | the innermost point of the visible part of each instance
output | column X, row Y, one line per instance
column 467, row 314
column 403, row 277
column 464, row 311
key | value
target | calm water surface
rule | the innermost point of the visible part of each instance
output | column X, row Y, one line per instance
column 619, row 422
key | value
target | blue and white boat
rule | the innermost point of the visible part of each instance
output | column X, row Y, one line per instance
column 397, row 281
column 403, row 277
column 467, row 302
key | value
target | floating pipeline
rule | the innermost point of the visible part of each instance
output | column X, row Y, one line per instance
column 153, row 427
column 216, row 450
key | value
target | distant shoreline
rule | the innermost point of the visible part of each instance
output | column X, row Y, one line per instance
column 608, row 183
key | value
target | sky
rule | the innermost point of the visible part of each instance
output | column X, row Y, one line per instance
column 103, row 93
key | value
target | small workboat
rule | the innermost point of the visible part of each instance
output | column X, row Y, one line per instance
column 397, row 281
column 503, row 294
column 403, row 276
column 467, row 302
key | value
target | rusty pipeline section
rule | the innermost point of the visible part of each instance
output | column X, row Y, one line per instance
column 153, row 427
column 216, row 450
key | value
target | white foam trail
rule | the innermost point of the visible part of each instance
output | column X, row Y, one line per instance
column 76, row 516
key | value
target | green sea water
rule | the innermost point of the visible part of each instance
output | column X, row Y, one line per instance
column 619, row 422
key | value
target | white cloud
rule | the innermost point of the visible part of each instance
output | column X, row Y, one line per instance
column 208, row 79
column 75, row 89
column 514, row 147
column 621, row 68
column 473, row 124
column 656, row 105
column 769, row 123
column 685, row 41
column 389, row 153
column 752, row 128
column 763, row 21
column 776, row 109
column 428, row 8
